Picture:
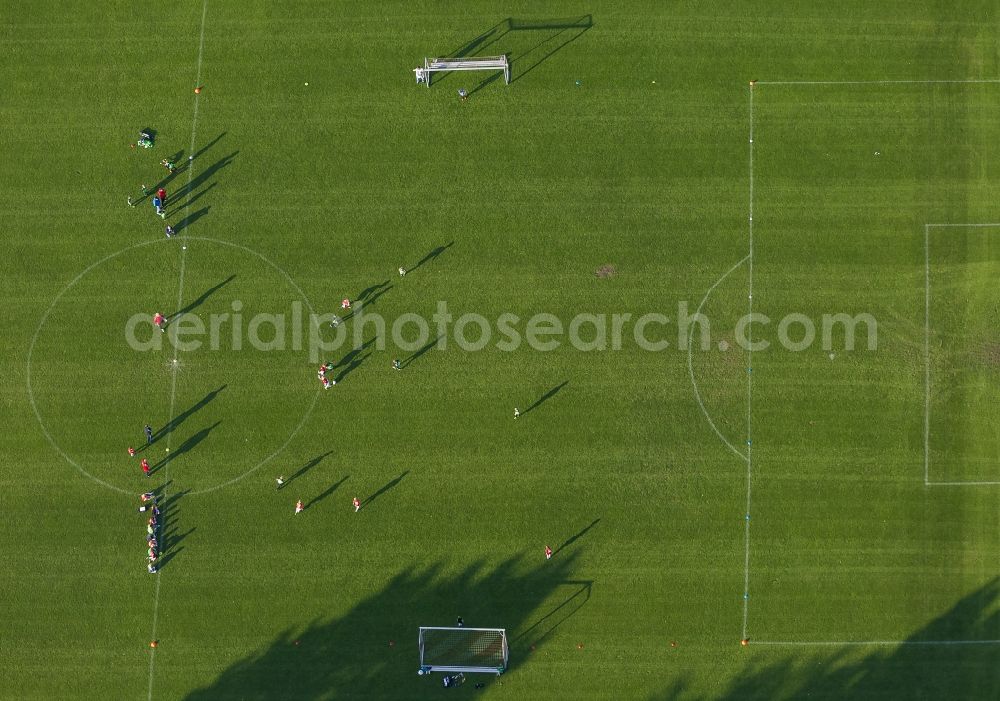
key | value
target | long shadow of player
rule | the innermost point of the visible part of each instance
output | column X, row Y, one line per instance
column 191, row 219
column 168, row 538
column 187, row 164
column 169, row 178
column 204, row 175
column 421, row 351
column 385, row 488
column 545, row 397
column 432, row 255
column 572, row 539
column 189, row 444
column 174, row 548
column 369, row 296
column 308, row 466
column 352, row 366
column 329, row 490
column 176, row 206
column 200, row 152
column 191, row 306
column 542, row 629
column 352, row 361
column 372, row 290
column 354, row 353
column 184, row 415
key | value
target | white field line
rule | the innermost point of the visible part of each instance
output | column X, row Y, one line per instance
column 960, row 226
column 694, row 382
column 927, row 482
column 173, row 379
column 875, row 82
column 869, row 643
column 962, row 484
column 927, row 354
column 927, row 358
column 746, row 519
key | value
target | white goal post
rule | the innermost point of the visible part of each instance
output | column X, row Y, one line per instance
column 463, row 649
column 468, row 63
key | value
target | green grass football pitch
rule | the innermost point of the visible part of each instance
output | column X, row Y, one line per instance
column 839, row 508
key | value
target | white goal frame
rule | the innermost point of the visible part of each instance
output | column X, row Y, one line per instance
column 468, row 63
column 429, row 661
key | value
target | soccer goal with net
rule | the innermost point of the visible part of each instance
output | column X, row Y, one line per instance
column 463, row 650
column 467, row 63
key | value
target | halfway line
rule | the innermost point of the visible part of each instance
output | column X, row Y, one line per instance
column 746, row 519
column 173, row 379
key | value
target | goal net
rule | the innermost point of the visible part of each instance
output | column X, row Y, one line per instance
column 463, row 650
column 466, row 63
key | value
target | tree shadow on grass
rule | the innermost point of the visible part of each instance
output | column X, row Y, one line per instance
column 919, row 668
column 370, row 652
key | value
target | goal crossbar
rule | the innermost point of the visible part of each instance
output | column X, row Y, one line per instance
column 467, row 63
column 461, row 649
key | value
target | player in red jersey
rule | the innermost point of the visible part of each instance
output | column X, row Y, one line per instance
column 299, row 507
column 160, row 321
column 145, row 467
column 357, row 504
column 548, row 553
column 131, row 452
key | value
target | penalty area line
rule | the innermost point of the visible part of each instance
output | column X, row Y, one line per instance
column 927, row 356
